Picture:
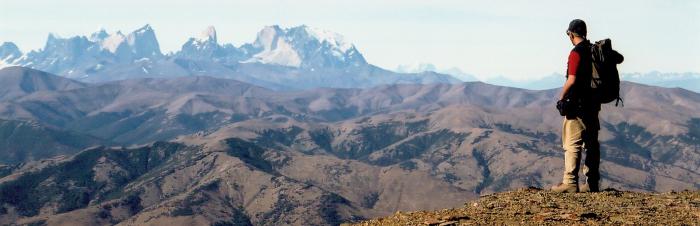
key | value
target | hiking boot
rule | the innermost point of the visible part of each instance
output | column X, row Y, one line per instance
column 565, row 188
column 589, row 188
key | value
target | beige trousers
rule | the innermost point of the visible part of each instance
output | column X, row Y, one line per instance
column 575, row 138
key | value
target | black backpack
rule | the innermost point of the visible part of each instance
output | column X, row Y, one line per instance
column 605, row 82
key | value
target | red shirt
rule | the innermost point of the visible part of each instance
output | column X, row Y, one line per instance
column 574, row 60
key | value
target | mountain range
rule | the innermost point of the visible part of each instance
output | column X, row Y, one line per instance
column 427, row 67
column 208, row 150
column 294, row 58
column 687, row 80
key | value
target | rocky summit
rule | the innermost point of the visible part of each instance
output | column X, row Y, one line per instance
column 534, row 206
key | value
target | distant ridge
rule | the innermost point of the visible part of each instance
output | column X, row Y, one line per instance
column 18, row 81
column 687, row 80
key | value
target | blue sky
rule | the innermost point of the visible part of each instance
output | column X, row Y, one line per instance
column 516, row 39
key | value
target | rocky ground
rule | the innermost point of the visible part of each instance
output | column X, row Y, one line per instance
column 534, row 206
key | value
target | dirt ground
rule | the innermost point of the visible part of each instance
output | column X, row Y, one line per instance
column 534, row 206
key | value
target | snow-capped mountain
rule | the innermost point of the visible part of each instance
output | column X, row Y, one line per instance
column 206, row 47
column 81, row 56
column 552, row 81
column 656, row 76
column 9, row 53
column 304, row 47
column 415, row 68
column 300, row 57
column 687, row 80
column 141, row 43
column 423, row 67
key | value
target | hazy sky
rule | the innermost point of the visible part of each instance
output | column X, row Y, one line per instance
column 515, row 39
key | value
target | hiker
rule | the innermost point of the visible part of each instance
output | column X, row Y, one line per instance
column 580, row 111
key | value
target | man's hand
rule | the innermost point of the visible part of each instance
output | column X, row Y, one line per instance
column 560, row 107
column 567, row 86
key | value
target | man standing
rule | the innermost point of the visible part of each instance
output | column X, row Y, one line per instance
column 580, row 127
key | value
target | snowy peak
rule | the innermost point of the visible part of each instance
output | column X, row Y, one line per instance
column 208, row 34
column 305, row 47
column 656, row 76
column 686, row 80
column 206, row 40
column 53, row 37
column 205, row 47
column 143, row 43
column 112, row 42
column 99, row 35
column 81, row 56
column 106, row 41
column 416, row 68
column 9, row 53
column 426, row 67
column 72, row 47
column 145, row 29
column 334, row 39
column 274, row 47
column 267, row 36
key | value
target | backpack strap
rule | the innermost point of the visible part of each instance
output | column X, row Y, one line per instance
column 619, row 100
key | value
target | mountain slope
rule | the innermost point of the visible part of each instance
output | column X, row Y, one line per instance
column 25, row 141
column 333, row 153
column 132, row 111
column 19, row 81
column 161, row 183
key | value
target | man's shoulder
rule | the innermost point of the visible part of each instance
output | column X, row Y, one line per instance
column 574, row 53
column 582, row 46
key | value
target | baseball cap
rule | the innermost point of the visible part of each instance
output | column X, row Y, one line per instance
column 578, row 26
